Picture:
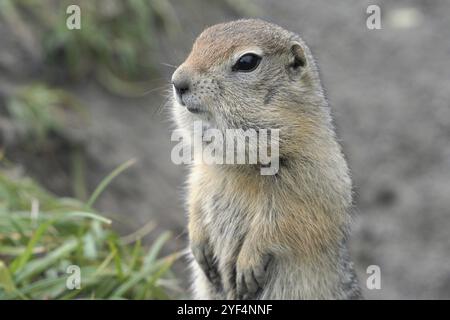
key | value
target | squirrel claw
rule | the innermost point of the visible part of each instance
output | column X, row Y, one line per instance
column 250, row 281
column 204, row 256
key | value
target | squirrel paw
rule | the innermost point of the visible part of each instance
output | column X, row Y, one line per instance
column 204, row 256
column 250, row 279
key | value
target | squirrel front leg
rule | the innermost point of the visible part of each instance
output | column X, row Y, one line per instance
column 201, row 248
column 252, row 263
column 294, row 234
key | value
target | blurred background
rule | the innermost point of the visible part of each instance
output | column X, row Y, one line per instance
column 77, row 105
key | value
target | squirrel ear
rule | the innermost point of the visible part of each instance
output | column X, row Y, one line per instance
column 298, row 57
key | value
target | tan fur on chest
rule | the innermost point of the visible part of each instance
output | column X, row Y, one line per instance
column 282, row 205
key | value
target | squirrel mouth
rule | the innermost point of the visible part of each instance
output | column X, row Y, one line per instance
column 194, row 109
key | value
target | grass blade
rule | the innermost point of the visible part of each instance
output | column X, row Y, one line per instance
column 39, row 265
column 156, row 248
column 21, row 260
column 6, row 281
column 107, row 180
column 85, row 214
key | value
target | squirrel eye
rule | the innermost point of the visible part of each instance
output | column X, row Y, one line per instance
column 248, row 62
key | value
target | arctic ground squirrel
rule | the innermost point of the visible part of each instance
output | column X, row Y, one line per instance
column 255, row 236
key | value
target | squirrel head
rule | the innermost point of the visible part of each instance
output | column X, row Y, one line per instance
column 247, row 74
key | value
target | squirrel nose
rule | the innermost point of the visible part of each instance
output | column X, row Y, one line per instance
column 181, row 85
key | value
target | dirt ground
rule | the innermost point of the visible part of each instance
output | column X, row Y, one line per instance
column 389, row 90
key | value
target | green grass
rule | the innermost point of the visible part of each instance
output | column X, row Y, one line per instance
column 42, row 235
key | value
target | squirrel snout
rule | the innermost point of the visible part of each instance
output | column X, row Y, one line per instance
column 181, row 84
